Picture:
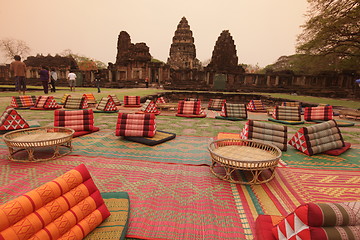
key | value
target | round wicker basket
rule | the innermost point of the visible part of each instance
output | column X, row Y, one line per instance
column 247, row 155
column 32, row 138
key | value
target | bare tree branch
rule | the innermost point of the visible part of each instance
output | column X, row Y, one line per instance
column 11, row 47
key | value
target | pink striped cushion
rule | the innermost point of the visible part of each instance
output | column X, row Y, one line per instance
column 79, row 120
column 136, row 125
column 318, row 113
column 131, row 100
column 189, row 107
column 135, row 133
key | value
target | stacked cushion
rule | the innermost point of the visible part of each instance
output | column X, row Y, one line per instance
column 325, row 221
column 291, row 104
column 321, row 221
column 106, row 104
column 216, row 104
column 82, row 121
column 11, row 120
column 287, row 113
column 318, row 138
column 160, row 100
column 45, row 103
column 115, row 99
column 190, row 108
column 136, row 125
column 63, row 99
column 256, row 106
column 132, row 101
column 266, row 132
column 90, row 98
column 234, row 111
column 149, row 107
column 76, row 102
column 323, row 113
column 23, row 101
column 69, row 207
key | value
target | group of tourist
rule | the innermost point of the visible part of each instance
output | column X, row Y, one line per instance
column 18, row 71
column 47, row 78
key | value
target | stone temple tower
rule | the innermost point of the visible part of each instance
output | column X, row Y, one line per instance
column 129, row 52
column 224, row 57
column 182, row 50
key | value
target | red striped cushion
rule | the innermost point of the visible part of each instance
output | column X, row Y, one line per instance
column 136, row 125
column 318, row 113
column 131, row 100
column 189, row 107
column 79, row 120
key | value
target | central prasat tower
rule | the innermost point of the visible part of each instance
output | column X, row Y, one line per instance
column 182, row 50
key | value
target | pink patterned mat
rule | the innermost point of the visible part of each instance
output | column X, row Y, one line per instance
column 168, row 201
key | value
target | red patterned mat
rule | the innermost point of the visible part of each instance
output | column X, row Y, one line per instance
column 167, row 201
column 292, row 187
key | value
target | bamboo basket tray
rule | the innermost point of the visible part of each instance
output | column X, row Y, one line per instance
column 41, row 137
column 255, row 160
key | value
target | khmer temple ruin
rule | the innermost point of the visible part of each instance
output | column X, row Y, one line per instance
column 224, row 56
column 183, row 71
column 182, row 49
column 134, row 64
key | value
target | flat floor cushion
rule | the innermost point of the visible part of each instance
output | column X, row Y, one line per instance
column 159, row 137
column 116, row 225
column 101, row 111
column 338, row 151
column 81, row 133
column 286, row 122
column 201, row 115
column 264, row 225
column 342, row 123
column 230, row 118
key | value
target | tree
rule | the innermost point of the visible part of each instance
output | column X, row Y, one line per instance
column 83, row 62
column 332, row 30
column 11, row 47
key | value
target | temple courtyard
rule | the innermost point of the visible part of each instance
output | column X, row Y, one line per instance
column 173, row 194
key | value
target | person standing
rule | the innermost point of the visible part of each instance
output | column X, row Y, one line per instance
column 53, row 79
column 98, row 79
column 18, row 70
column 45, row 78
column 147, row 82
column 72, row 79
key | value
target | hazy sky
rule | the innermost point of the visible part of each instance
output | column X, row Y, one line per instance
column 263, row 30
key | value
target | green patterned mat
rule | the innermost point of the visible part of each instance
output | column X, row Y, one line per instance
column 182, row 149
column 349, row 160
column 192, row 150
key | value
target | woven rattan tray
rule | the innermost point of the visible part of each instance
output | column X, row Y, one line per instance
column 229, row 155
column 30, row 139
